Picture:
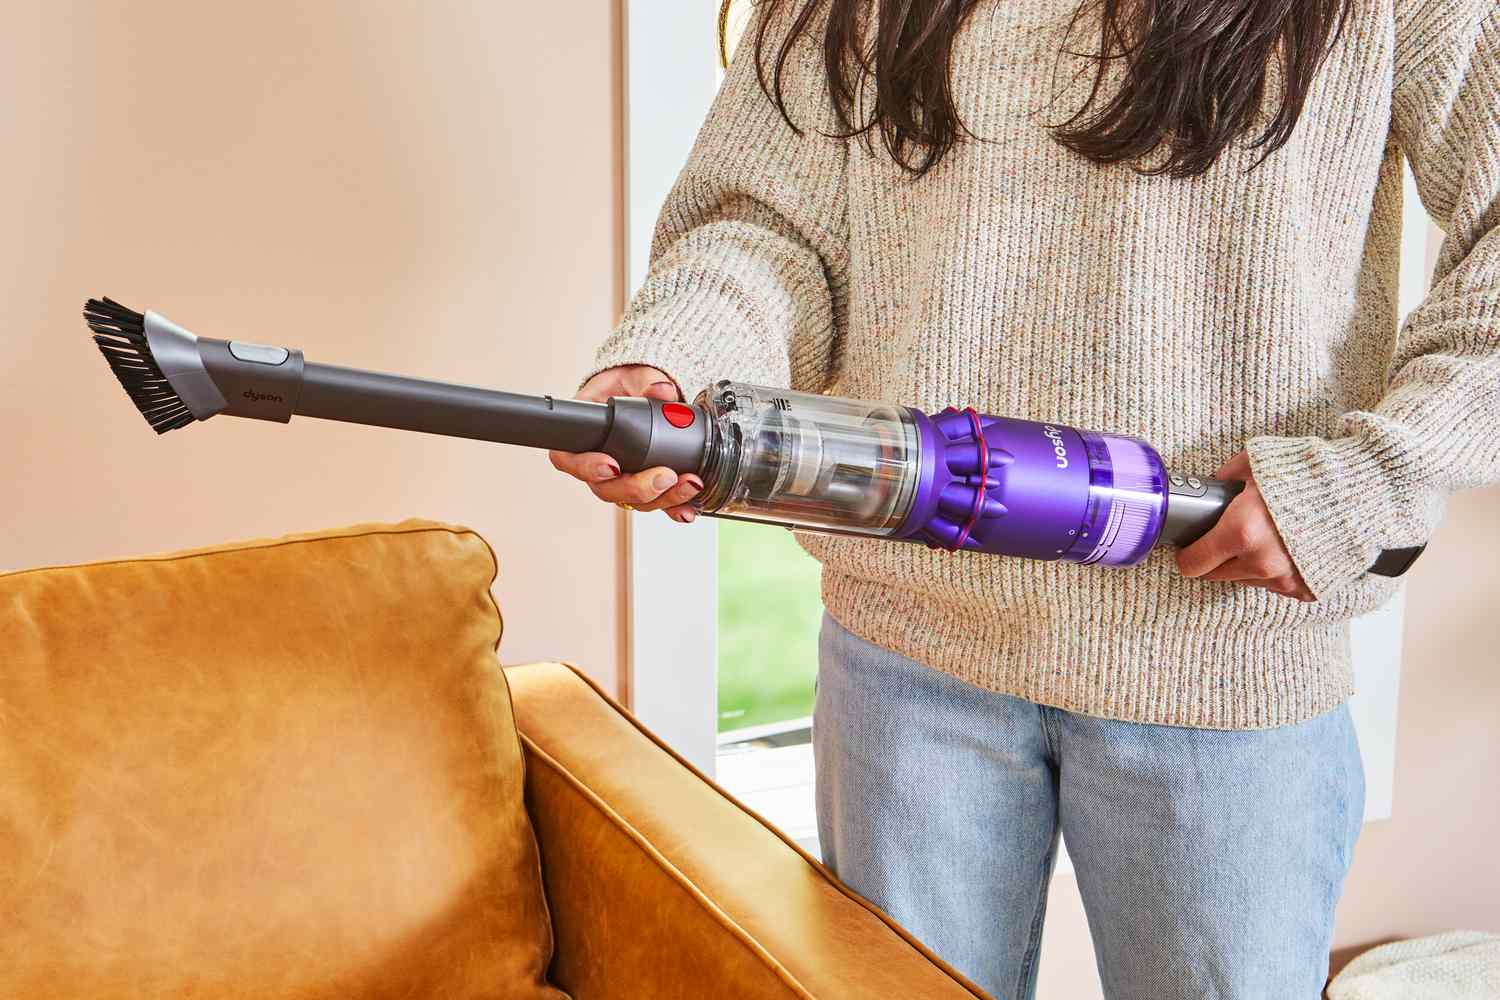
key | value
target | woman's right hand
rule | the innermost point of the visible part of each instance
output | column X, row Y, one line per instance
column 650, row 489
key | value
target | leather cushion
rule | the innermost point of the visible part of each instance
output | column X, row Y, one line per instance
column 639, row 847
column 278, row 769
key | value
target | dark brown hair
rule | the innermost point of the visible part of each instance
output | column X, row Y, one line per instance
column 1193, row 75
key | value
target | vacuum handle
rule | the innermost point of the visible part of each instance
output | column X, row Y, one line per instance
column 638, row 433
column 1195, row 505
column 275, row 383
column 365, row 397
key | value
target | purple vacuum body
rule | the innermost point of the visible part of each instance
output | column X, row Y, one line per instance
column 957, row 480
column 995, row 484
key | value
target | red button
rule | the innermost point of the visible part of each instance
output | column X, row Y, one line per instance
column 677, row 415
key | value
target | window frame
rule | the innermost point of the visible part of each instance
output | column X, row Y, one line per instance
column 671, row 75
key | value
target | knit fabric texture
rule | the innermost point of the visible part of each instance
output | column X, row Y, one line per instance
column 1240, row 309
column 1458, row 965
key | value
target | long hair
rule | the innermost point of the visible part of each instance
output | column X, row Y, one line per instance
column 1194, row 75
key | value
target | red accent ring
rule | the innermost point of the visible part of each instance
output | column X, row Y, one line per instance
column 984, row 473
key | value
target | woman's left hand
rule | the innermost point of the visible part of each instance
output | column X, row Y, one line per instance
column 1244, row 546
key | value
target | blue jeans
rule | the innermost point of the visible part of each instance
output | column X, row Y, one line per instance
column 1209, row 861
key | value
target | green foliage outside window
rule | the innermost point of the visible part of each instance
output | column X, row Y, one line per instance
column 769, row 611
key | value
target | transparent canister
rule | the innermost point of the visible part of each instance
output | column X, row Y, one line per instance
column 805, row 460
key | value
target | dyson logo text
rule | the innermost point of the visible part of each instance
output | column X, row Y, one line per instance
column 261, row 397
column 1059, row 449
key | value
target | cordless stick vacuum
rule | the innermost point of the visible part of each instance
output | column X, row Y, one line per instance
column 955, row 480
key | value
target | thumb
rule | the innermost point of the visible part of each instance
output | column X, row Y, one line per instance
column 629, row 380
column 644, row 380
column 663, row 389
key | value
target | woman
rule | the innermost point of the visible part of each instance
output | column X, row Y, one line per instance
column 1178, row 220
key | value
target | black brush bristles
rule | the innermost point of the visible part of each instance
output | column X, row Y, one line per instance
column 121, row 336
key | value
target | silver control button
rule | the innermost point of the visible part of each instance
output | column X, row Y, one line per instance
column 1176, row 480
column 260, row 354
column 1196, row 484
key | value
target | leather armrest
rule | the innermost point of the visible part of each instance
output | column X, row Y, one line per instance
column 661, row 885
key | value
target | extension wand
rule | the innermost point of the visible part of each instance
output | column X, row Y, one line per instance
column 956, row 480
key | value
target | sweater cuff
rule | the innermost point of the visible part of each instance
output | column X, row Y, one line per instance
column 1329, row 500
column 692, row 337
column 634, row 347
column 603, row 363
column 663, row 339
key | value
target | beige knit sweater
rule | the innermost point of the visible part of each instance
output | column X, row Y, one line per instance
column 1204, row 315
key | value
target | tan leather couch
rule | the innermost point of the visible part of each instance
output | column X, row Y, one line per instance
column 293, row 769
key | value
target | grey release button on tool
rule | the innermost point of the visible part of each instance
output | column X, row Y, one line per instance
column 260, row 354
column 1195, row 483
column 1176, row 480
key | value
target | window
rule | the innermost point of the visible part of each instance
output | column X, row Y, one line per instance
column 768, row 629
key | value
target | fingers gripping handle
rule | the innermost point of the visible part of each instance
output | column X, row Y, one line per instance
column 1195, row 505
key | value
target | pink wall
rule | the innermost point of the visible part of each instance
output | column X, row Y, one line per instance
column 423, row 188
column 1433, row 865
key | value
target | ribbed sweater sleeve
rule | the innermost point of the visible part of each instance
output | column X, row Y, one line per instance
column 1384, row 482
column 749, row 258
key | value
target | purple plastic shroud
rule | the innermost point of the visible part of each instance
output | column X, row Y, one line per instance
column 1047, row 491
